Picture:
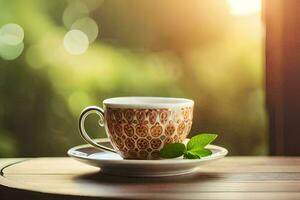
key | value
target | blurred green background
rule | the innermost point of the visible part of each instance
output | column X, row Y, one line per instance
column 210, row 51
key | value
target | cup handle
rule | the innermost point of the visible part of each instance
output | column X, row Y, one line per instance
column 86, row 112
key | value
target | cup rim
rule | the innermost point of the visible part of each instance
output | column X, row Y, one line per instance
column 147, row 102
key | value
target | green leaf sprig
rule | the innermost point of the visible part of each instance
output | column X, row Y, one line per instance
column 194, row 149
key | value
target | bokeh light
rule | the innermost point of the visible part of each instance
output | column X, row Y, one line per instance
column 76, row 42
column 11, row 52
column 11, row 41
column 11, row 34
column 75, row 10
column 244, row 7
column 88, row 26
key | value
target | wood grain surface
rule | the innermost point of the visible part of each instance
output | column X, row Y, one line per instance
column 228, row 178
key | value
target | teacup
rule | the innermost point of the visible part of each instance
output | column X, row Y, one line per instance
column 139, row 127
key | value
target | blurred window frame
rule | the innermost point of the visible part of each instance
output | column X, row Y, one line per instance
column 282, row 48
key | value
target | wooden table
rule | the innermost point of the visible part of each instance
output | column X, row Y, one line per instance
column 228, row 178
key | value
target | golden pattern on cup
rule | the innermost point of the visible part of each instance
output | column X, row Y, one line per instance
column 170, row 128
column 129, row 143
column 168, row 140
column 143, row 154
column 142, row 143
column 118, row 115
column 152, row 116
column 156, row 130
column 142, row 130
column 163, row 116
column 181, row 128
column 140, row 115
column 119, row 142
column 141, row 133
column 155, row 154
column 129, row 114
column 129, row 130
column 118, row 129
column 155, row 143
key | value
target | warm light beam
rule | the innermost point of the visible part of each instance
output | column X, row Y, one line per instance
column 244, row 7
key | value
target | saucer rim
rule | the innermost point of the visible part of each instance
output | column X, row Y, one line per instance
column 222, row 153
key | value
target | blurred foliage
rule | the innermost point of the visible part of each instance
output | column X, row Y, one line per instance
column 191, row 49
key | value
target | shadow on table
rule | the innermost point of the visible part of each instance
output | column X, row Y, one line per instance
column 106, row 178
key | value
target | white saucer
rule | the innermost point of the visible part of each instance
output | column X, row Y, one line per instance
column 112, row 163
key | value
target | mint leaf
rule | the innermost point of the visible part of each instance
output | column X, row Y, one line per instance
column 190, row 155
column 200, row 141
column 172, row 150
column 201, row 152
column 195, row 147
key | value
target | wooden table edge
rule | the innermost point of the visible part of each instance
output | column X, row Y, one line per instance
column 10, row 190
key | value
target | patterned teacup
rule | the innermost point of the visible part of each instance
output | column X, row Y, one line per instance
column 138, row 127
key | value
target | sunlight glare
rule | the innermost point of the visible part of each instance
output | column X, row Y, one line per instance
column 244, row 7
